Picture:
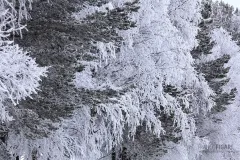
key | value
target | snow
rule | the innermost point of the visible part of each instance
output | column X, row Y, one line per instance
column 154, row 54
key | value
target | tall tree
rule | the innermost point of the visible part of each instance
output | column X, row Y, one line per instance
column 214, row 70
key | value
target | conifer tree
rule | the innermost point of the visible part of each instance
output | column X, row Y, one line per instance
column 204, row 40
column 213, row 71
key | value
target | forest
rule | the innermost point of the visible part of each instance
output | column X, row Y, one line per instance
column 119, row 80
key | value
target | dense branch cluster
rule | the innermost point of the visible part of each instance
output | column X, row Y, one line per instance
column 127, row 80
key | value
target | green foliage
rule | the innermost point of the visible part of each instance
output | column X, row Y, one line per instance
column 171, row 90
column 216, row 74
column 214, row 71
column 57, row 40
column 206, row 9
column 205, row 44
column 101, row 26
column 224, row 99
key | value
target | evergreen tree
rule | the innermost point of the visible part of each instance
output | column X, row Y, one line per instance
column 61, row 44
column 122, row 83
column 205, row 44
column 213, row 71
column 216, row 74
column 222, row 15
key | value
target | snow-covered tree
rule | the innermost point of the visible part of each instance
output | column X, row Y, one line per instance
column 130, row 79
column 222, row 14
column 151, row 55
column 20, row 75
column 220, row 127
column 212, row 65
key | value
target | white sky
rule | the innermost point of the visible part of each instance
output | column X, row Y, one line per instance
column 235, row 3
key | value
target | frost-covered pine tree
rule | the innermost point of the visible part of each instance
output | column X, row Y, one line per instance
column 213, row 69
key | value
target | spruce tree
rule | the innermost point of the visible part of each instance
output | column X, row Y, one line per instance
column 213, row 71
column 205, row 44
column 216, row 75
